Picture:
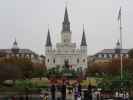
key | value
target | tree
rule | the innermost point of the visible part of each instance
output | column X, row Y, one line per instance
column 39, row 71
column 16, row 67
column 111, row 68
column 130, row 53
column 9, row 72
column 98, row 68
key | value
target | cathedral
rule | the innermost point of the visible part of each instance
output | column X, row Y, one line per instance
column 66, row 50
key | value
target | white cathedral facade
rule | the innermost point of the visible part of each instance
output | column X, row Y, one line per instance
column 66, row 50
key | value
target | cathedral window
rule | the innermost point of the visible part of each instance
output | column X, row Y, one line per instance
column 83, row 60
column 54, row 61
column 48, row 60
column 78, row 60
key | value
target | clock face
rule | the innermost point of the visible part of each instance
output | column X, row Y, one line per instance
column 66, row 40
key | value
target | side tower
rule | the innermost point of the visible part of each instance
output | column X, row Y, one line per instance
column 48, row 50
column 83, row 49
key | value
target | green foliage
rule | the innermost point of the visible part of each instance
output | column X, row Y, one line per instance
column 63, row 71
column 129, row 66
column 29, row 86
column 105, row 85
column 39, row 72
column 130, row 53
column 23, row 84
column 115, row 82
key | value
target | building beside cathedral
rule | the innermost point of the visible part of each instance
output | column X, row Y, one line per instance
column 108, row 54
column 17, row 52
column 66, row 50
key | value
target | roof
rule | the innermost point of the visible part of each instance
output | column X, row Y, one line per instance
column 21, row 51
column 15, row 45
column 83, row 41
column 48, row 41
column 111, row 51
column 66, row 19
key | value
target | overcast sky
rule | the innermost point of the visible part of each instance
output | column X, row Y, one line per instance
column 28, row 20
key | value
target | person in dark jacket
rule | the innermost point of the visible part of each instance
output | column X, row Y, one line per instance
column 53, row 91
column 63, row 91
column 79, row 88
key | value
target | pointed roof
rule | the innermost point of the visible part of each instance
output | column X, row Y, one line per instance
column 48, row 40
column 66, row 23
column 15, row 45
column 66, row 19
column 118, row 43
column 83, row 41
column 15, row 48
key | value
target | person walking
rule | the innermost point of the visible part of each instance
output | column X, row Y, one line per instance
column 78, row 96
column 75, row 93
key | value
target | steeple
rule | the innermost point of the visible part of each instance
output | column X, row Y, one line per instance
column 15, row 47
column 83, row 41
column 66, row 23
column 48, row 41
column 15, row 42
column 118, row 47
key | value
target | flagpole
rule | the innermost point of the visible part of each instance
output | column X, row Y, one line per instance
column 121, row 58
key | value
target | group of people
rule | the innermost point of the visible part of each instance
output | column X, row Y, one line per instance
column 78, row 93
column 61, row 89
column 122, row 95
column 67, row 92
column 75, row 91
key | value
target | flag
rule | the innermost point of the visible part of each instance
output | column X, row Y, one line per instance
column 119, row 14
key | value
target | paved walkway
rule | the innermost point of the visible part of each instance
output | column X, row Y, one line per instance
column 36, row 97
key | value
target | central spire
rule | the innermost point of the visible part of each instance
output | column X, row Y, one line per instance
column 66, row 23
